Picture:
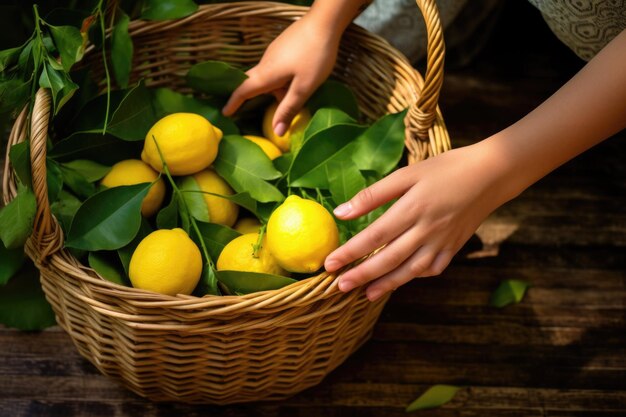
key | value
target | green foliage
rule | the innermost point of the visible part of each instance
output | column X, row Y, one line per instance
column 17, row 217
column 510, row 291
column 433, row 397
column 168, row 9
column 215, row 77
column 237, row 282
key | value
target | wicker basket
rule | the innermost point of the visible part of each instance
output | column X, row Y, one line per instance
column 262, row 346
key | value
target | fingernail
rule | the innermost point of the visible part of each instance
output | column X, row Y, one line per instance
column 280, row 128
column 343, row 209
column 331, row 265
column 345, row 285
column 374, row 294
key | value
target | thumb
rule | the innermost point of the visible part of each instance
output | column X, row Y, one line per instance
column 289, row 106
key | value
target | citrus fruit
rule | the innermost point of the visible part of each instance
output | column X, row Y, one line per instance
column 188, row 142
column 167, row 262
column 295, row 129
column 221, row 210
column 300, row 234
column 247, row 225
column 238, row 255
column 134, row 171
column 272, row 151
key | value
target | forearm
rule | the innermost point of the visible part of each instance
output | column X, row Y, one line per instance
column 334, row 16
column 585, row 111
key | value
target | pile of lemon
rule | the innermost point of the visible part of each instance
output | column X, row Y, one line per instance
column 298, row 236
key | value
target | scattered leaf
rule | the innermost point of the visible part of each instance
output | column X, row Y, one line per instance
column 508, row 292
column 433, row 397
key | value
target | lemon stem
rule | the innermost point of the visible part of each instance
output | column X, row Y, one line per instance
column 257, row 247
column 178, row 193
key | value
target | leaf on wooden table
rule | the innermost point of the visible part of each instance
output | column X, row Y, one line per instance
column 433, row 397
column 509, row 291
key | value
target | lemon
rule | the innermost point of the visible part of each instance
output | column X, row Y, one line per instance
column 295, row 129
column 167, row 262
column 221, row 210
column 134, row 171
column 188, row 142
column 247, row 225
column 238, row 255
column 272, row 151
column 300, row 234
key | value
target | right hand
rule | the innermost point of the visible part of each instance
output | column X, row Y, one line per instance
column 292, row 67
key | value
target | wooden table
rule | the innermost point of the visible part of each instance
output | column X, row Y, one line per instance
column 561, row 352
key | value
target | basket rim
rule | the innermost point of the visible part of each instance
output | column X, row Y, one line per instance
column 302, row 292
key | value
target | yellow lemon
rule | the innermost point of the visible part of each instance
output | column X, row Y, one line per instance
column 188, row 142
column 247, row 225
column 221, row 210
column 167, row 262
column 272, row 151
column 300, row 234
column 238, row 255
column 295, row 129
column 134, row 171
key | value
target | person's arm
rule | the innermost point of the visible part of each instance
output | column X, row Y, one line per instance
column 298, row 60
column 443, row 200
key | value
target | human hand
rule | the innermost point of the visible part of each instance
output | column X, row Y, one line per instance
column 441, row 202
column 291, row 68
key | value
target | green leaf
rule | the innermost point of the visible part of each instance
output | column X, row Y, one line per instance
column 61, row 85
column 23, row 303
column 332, row 144
column 121, row 50
column 105, row 149
column 215, row 77
column 135, row 115
column 434, row 397
column 194, row 199
column 380, row 147
column 167, row 9
column 109, row 219
column 11, row 260
column 335, row 94
column 77, row 183
column 208, row 283
column 325, row 118
column 167, row 102
column 106, row 264
column 167, row 218
column 91, row 171
column 508, row 292
column 249, row 282
column 126, row 253
column 14, row 94
column 246, row 168
column 54, row 179
column 19, row 156
column 244, row 200
column 9, row 57
column 344, row 181
column 17, row 218
column 69, row 43
column 283, row 162
column 65, row 208
column 215, row 237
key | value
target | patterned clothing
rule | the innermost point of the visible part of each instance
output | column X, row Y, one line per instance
column 585, row 26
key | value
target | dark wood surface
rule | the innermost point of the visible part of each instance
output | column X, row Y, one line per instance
column 560, row 352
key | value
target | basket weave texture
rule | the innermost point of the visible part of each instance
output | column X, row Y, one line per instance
column 230, row 349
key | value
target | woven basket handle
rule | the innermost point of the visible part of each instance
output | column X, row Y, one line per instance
column 423, row 111
column 46, row 231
